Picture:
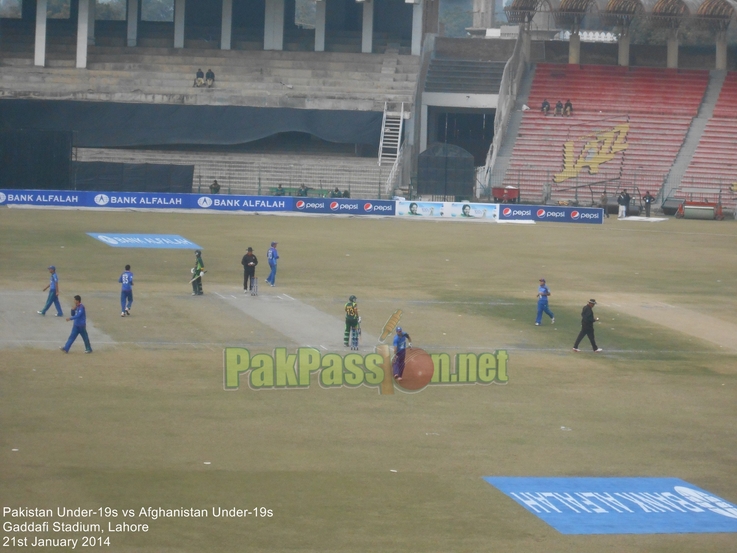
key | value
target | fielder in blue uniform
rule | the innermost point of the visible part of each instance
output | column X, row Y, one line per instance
column 53, row 297
column 542, row 303
column 401, row 342
column 79, row 316
column 271, row 256
column 126, row 291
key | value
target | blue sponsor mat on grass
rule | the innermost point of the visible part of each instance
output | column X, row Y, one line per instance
column 169, row 241
column 620, row 505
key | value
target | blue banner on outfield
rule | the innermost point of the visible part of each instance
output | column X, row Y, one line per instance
column 346, row 207
column 547, row 213
column 620, row 505
column 168, row 241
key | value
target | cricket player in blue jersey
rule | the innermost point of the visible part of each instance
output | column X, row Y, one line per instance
column 53, row 288
column 126, row 291
column 542, row 304
column 79, row 316
column 401, row 342
column 271, row 256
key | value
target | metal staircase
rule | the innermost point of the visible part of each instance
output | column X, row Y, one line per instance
column 391, row 135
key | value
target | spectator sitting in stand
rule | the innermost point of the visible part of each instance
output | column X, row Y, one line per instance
column 346, row 193
column 545, row 107
column 215, row 187
column 279, row 191
column 559, row 108
column 209, row 78
column 336, row 193
column 199, row 79
column 302, row 191
column 568, row 108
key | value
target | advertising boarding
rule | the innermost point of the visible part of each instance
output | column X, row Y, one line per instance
column 339, row 206
column 452, row 210
column 551, row 214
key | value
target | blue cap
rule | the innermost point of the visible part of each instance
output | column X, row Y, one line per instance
column 51, row 267
column 399, row 329
column 273, row 244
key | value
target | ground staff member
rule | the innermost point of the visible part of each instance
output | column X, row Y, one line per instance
column 648, row 199
column 351, row 319
column 587, row 326
column 542, row 303
column 53, row 288
column 79, row 316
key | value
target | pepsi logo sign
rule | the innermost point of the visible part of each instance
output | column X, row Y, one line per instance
column 300, row 204
column 334, row 206
column 575, row 214
column 367, row 207
column 506, row 211
column 541, row 213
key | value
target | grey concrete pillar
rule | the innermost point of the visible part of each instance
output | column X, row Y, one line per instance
column 672, row 59
column 320, row 25
column 226, row 26
column 83, row 22
column 623, row 50
column 524, row 29
column 417, row 16
column 721, row 57
column 274, row 25
column 423, row 128
column 91, row 24
column 179, row 23
column 39, row 53
column 132, row 22
column 483, row 13
column 574, row 48
column 367, row 32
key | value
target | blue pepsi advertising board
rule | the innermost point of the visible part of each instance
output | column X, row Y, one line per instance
column 344, row 206
column 551, row 214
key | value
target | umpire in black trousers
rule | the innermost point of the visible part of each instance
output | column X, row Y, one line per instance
column 587, row 326
column 249, row 263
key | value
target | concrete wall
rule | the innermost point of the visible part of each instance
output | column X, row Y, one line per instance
column 474, row 49
column 641, row 55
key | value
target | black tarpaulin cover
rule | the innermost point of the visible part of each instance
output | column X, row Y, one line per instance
column 133, row 177
column 116, row 125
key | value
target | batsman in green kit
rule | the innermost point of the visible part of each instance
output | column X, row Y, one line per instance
column 351, row 323
column 197, row 272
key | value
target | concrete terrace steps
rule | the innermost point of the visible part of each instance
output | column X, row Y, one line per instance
column 449, row 75
column 165, row 75
column 243, row 173
column 127, row 78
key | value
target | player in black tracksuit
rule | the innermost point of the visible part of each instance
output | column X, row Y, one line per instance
column 249, row 263
column 587, row 326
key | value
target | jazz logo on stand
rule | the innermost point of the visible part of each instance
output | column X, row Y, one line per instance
column 597, row 149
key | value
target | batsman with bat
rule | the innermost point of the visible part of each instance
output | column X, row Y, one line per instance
column 352, row 321
column 197, row 272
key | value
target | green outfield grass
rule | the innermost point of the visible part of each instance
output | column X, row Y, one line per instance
column 133, row 425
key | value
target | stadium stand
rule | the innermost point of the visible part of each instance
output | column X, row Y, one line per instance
column 626, row 129
column 324, row 86
column 714, row 164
